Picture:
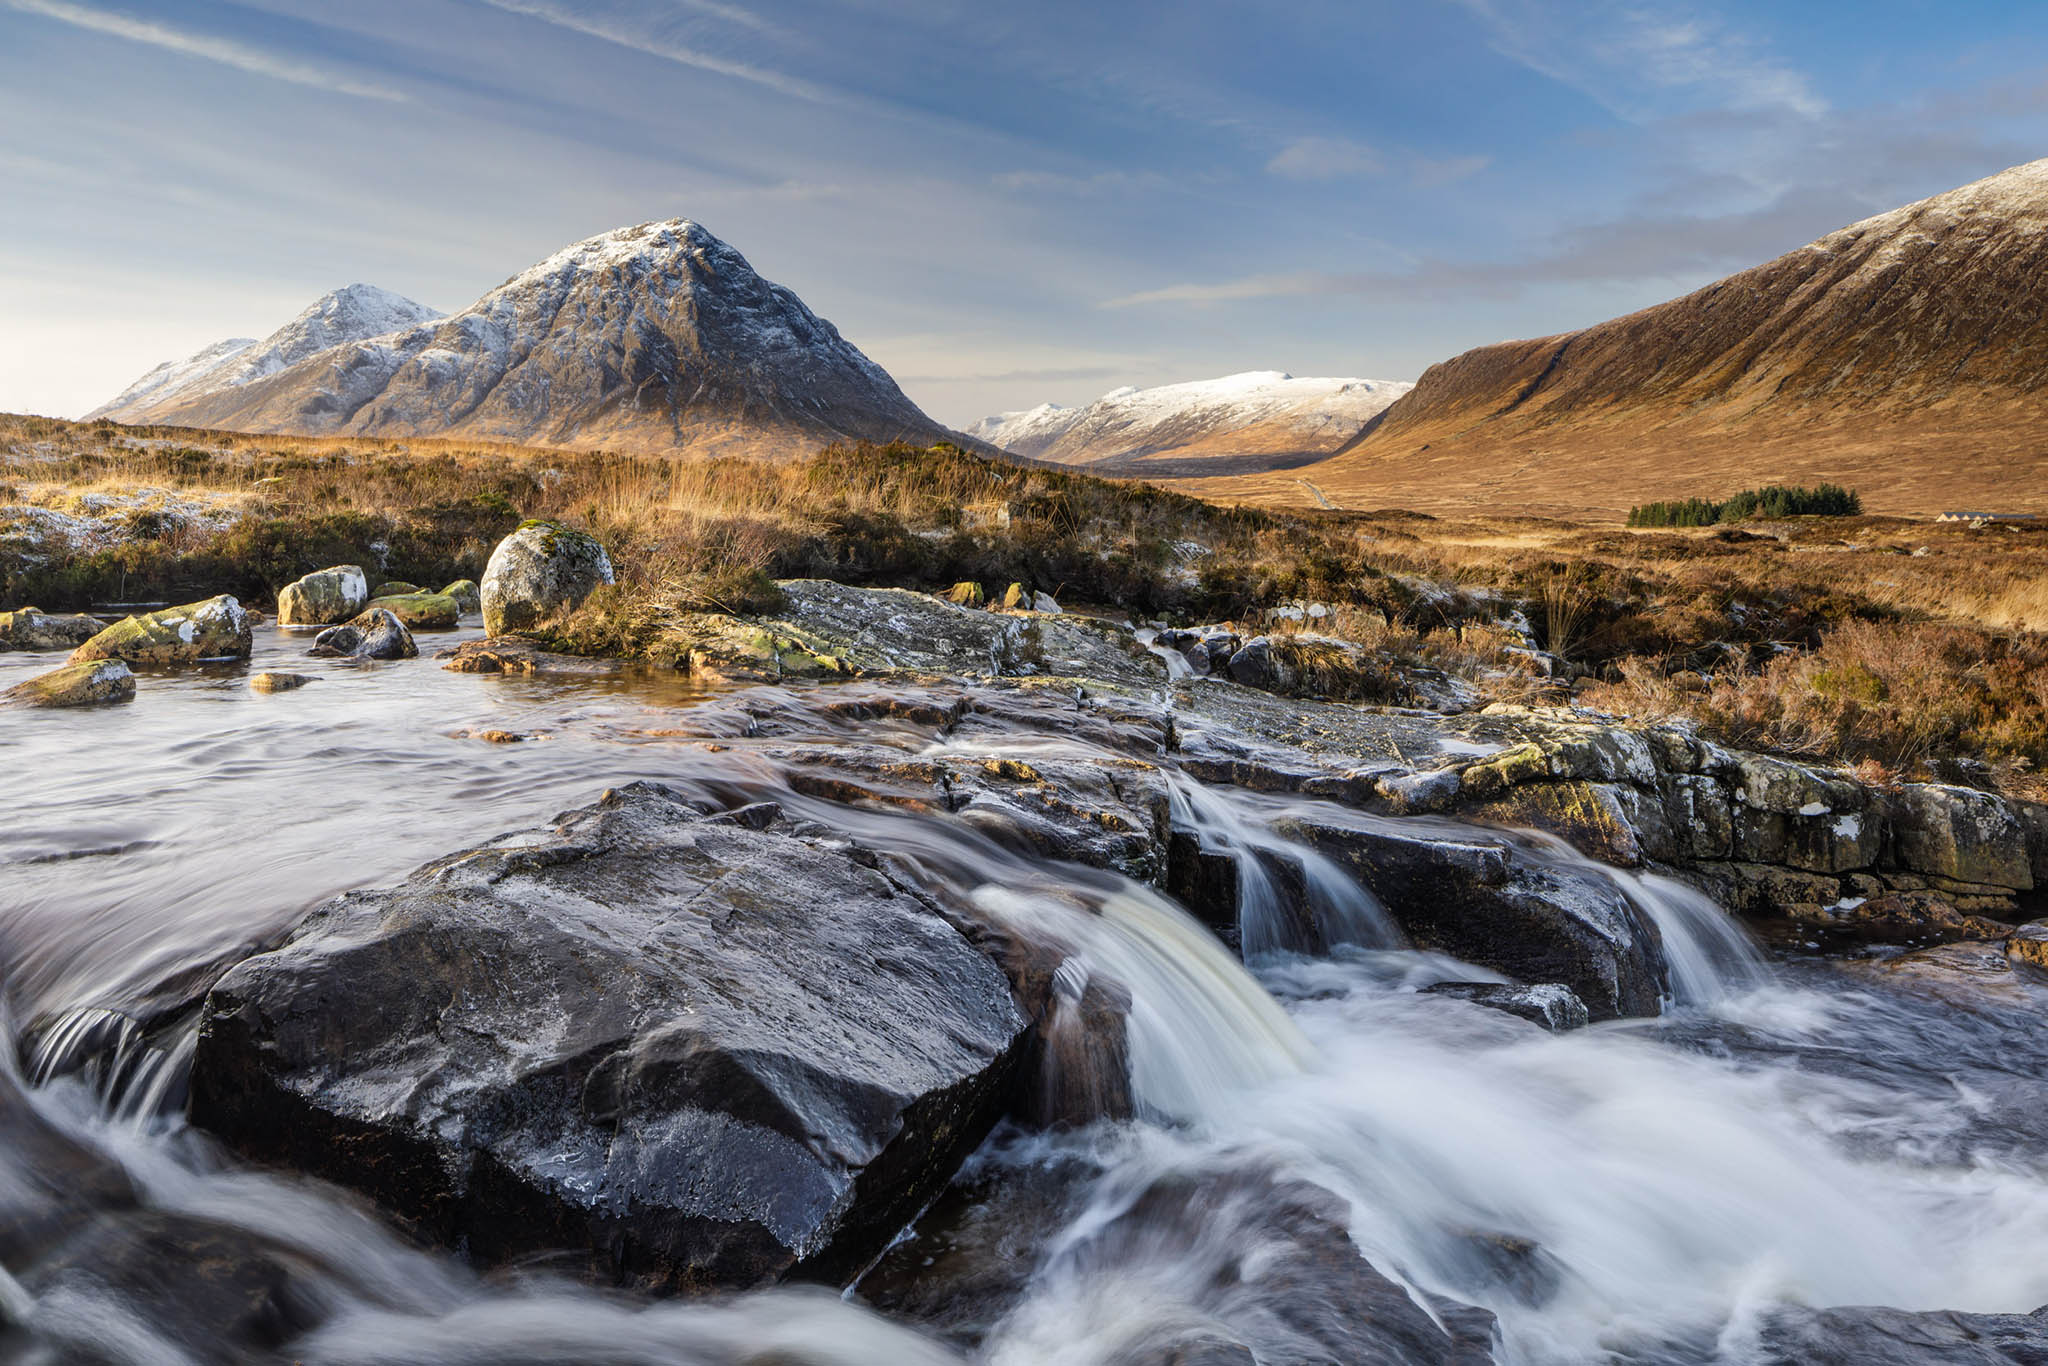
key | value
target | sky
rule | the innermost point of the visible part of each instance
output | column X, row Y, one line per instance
column 1002, row 204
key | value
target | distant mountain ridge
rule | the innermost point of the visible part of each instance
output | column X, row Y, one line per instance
column 653, row 337
column 353, row 313
column 1260, row 416
column 1906, row 355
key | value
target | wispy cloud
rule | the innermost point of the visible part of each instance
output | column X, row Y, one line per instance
column 1231, row 291
column 203, row 46
column 1326, row 159
column 640, row 37
column 1633, row 56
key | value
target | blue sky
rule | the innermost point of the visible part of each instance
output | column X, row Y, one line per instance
column 1001, row 203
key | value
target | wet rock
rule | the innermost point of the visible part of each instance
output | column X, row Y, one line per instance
column 1601, row 820
column 325, row 597
column 1961, row 834
column 1494, row 905
column 1081, row 1061
column 708, row 1054
column 273, row 681
column 217, row 628
column 207, row 1291
column 718, row 649
column 419, row 611
column 373, row 635
column 50, row 1182
column 2029, row 944
column 540, row 571
column 395, row 588
column 29, row 628
column 82, row 684
column 1898, row 1337
column 1548, row 1004
column 1258, row 665
column 511, row 655
column 468, row 598
column 1415, row 794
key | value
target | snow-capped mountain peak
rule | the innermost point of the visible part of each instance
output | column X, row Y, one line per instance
column 1254, row 413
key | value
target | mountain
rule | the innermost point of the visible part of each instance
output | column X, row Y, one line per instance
column 354, row 313
column 1259, row 419
column 656, row 337
column 171, row 378
column 1902, row 355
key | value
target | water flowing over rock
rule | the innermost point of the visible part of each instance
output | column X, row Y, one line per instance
column 538, row 572
column 29, row 628
column 376, row 634
column 82, row 684
column 326, row 597
column 217, row 628
column 706, row 1054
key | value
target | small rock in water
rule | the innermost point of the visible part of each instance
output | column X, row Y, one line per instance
column 2029, row 944
column 373, row 635
column 541, row 570
column 1554, row 1006
column 217, row 628
column 81, row 684
column 278, row 682
column 324, row 597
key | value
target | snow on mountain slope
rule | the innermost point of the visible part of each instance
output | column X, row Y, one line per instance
column 659, row 336
column 353, row 313
column 174, row 377
column 1258, row 413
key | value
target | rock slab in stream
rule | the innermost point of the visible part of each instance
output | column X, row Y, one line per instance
column 704, row 1054
column 82, row 684
column 538, row 572
column 324, row 597
column 217, row 628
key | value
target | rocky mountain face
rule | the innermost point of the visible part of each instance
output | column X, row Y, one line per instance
column 1258, row 419
column 1900, row 355
column 353, row 313
column 656, row 337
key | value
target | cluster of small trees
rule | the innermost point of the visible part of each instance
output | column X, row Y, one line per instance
column 1774, row 500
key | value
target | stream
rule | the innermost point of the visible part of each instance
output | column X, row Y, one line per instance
column 1792, row 1132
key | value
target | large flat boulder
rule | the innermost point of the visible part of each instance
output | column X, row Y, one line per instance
column 82, row 684
column 28, row 628
column 698, row 1052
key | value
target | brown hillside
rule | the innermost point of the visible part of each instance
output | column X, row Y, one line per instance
column 1906, row 355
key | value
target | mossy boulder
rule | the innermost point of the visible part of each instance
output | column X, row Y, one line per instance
column 468, row 600
column 967, row 593
column 395, row 588
column 538, row 573
column 1016, row 598
column 29, row 628
column 217, row 628
column 81, row 684
column 324, row 597
column 430, row 611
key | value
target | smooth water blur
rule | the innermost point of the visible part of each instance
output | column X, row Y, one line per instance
column 1803, row 1133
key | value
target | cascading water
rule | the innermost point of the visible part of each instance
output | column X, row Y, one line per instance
column 1640, row 1191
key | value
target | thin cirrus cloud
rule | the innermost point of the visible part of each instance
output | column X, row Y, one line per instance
column 1326, row 159
column 205, row 47
column 1636, row 57
column 633, row 34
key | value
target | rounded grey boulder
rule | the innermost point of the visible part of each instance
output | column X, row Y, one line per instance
column 373, row 635
column 538, row 572
column 324, row 597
